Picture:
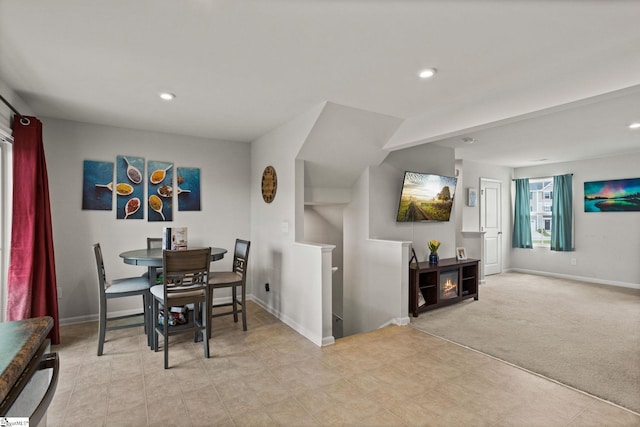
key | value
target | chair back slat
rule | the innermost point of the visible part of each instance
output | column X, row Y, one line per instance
column 154, row 242
column 185, row 272
column 121, row 288
column 102, row 275
column 241, row 256
column 237, row 281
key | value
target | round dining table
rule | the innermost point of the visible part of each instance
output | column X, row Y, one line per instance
column 152, row 258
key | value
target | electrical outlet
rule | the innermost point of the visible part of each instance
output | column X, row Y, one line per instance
column 266, row 287
column 574, row 261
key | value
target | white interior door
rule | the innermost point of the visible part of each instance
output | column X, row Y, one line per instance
column 491, row 224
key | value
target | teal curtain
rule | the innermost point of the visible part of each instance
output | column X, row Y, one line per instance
column 522, row 216
column 562, row 211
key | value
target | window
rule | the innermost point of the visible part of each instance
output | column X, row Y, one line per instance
column 541, row 197
column 5, row 212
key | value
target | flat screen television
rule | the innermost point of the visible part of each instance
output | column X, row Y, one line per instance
column 426, row 197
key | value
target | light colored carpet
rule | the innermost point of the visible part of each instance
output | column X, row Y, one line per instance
column 583, row 335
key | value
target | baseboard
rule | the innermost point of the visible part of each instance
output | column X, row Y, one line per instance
column 399, row 321
column 328, row 341
column 319, row 341
column 94, row 317
column 578, row 278
column 91, row 317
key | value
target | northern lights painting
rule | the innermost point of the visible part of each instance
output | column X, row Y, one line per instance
column 618, row 195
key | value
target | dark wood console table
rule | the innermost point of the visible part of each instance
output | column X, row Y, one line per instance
column 448, row 282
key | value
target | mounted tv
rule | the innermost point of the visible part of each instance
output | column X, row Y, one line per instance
column 426, row 197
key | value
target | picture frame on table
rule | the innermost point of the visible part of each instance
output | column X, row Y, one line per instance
column 461, row 254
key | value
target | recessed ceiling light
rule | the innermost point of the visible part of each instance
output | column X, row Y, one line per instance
column 167, row 96
column 427, row 73
column 635, row 125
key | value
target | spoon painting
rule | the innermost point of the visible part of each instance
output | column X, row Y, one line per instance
column 155, row 203
column 133, row 172
column 109, row 186
column 165, row 191
column 158, row 175
column 124, row 189
column 131, row 207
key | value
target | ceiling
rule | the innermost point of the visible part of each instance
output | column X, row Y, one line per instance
column 242, row 68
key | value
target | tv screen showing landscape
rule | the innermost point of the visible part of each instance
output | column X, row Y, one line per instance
column 426, row 197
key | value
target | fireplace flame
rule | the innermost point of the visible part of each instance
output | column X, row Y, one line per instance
column 449, row 289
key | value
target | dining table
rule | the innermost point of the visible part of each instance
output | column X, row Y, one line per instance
column 152, row 258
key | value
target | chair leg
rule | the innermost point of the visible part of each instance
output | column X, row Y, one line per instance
column 154, row 322
column 234, row 298
column 198, row 317
column 206, row 317
column 209, row 311
column 145, row 314
column 165, row 328
column 244, row 309
column 148, row 323
column 102, row 325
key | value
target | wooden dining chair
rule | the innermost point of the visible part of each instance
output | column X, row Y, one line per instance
column 234, row 279
column 153, row 243
column 185, row 275
column 119, row 288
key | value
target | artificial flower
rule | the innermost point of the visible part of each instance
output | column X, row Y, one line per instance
column 433, row 245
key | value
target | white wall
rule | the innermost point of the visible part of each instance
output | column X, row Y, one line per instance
column 386, row 184
column 312, row 270
column 468, row 217
column 607, row 245
column 275, row 226
column 324, row 223
column 376, row 247
column 225, row 215
column 356, row 232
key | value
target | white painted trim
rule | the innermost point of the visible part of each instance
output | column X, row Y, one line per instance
column 6, row 134
column 579, row 278
column 328, row 341
column 398, row 321
column 94, row 317
column 402, row 321
column 319, row 341
column 6, row 190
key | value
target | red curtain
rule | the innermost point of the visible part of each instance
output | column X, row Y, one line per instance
column 32, row 287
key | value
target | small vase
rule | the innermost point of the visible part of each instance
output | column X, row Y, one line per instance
column 433, row 258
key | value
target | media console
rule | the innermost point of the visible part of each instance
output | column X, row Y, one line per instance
column 448, row 282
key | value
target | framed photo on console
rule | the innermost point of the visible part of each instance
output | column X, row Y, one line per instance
column 461, row 254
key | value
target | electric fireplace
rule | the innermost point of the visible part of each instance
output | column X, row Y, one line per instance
column 448, row 286
column 448, row 282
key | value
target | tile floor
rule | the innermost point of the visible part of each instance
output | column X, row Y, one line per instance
column 271, row 376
